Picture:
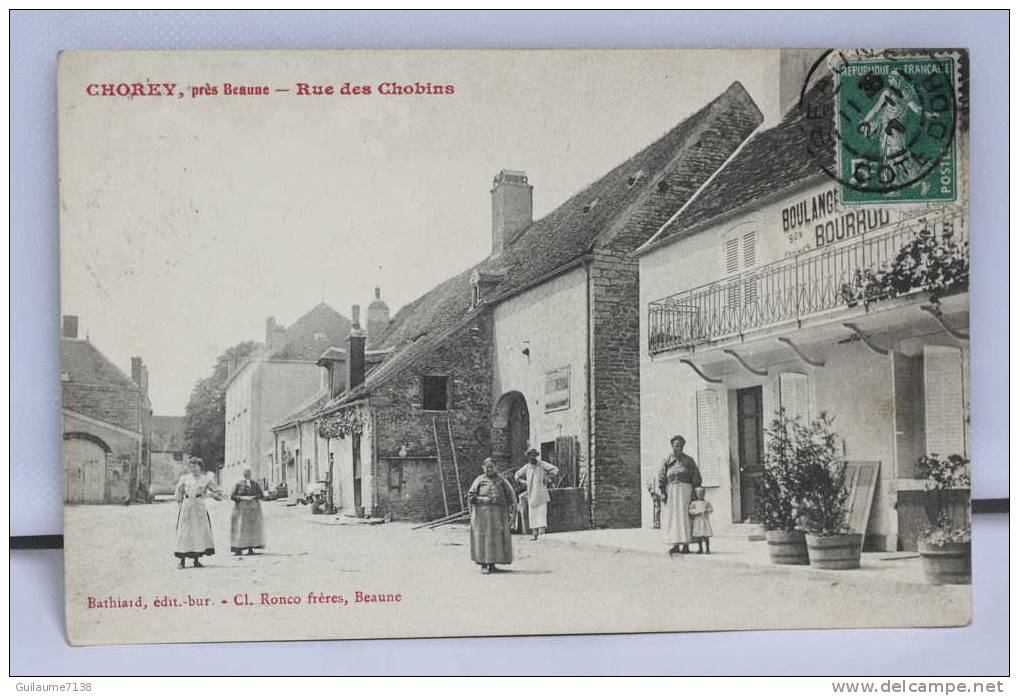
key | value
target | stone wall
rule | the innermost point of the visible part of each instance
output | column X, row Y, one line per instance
column 465, row 357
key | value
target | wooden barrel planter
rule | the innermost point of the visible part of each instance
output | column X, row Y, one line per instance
column 787, row 548
column 946, row 564
column 836, row 552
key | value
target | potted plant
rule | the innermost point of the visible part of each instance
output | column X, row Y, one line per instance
column 822, row 513
column 780, row 489
column 945, row 546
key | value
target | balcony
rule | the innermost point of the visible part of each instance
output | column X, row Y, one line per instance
column 849, row 274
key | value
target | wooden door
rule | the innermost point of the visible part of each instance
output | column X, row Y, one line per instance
column 84, row 472
column 519, row 432
column 750, row 435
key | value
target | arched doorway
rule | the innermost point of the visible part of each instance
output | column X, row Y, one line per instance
column 511, row 430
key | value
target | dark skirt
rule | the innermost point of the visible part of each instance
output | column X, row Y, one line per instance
column 490, row 535
column 247, row 528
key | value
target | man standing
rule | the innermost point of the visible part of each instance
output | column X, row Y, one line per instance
column 535, row 473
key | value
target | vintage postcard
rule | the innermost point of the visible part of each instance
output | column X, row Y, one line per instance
column 387, row 344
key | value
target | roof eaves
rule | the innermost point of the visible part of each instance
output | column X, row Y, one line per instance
column 653, row 241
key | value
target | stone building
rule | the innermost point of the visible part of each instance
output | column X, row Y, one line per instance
column 168, row 456
column 536, row 345
column 750, row 301
column 107, row 422
column 270, row 383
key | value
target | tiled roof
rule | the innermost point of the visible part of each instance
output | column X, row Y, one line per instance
column 84, row 363
column 576, row 226
column 566, row 234
column 167, row 434
column 769, row 162
column 308, row 337
column 304, row 411
column 415, row 329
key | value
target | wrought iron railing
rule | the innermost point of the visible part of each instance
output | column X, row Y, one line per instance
column 793, row 288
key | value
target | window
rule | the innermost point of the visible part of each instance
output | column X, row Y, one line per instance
column 739, row 255
column 178, row 456
column 557, row 389
column 434, row 392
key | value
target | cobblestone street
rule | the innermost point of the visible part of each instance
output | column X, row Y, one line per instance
column 127, row 554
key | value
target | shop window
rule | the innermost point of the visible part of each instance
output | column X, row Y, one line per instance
column 434, row 393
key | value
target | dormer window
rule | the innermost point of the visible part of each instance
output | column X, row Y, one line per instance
column 483, row 283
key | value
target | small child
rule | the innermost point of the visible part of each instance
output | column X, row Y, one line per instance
column 700, row 511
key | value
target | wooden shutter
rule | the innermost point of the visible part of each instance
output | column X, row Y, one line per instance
column 709, row 446
column 943, row 400
column 730, row 252
column 749, row 261
column 794, row 395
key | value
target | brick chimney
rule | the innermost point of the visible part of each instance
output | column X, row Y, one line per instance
column 511, row 208
column 355, row 350
column 378, row 317
column 138, row 371
column 70, row 326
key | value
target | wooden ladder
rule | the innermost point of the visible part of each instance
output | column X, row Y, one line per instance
column 456, row 466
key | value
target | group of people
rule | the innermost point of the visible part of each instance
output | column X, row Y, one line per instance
column 493, row 502
column 685, row 514
column 676, row 488
column 194, row 525
column 685, row 517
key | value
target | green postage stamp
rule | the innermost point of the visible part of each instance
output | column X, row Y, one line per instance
column 895, row 124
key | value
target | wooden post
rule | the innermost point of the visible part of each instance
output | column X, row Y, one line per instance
column 456, row 465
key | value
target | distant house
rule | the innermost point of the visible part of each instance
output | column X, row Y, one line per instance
column 536, row 345
column 169, row 459
column 303, row 455
column 269, row 384
column 107, row 420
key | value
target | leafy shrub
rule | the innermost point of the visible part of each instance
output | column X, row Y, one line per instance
column 941, row 475
column 935, row 263
column 822, row 505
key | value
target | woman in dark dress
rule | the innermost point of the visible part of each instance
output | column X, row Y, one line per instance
column 247, row 528
column 493, row 506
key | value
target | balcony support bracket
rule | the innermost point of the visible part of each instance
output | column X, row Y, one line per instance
column 700, row 373
column 800, row 354
column 935, row 311
column 866, row 341
column 744, row 364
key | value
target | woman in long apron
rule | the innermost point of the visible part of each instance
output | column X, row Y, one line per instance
column 194, row 526
column 493, row 505
column 247, row 528
column 677, row 478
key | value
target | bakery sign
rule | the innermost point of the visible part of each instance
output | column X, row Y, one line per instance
column 819, row 220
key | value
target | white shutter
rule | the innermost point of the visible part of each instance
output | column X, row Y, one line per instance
column 794, row 395
column 943, row 400
column 749, row 261
column 750, row 249
column 731, row 251
column 709, row 446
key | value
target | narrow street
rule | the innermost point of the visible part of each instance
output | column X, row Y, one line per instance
column 126, row 553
